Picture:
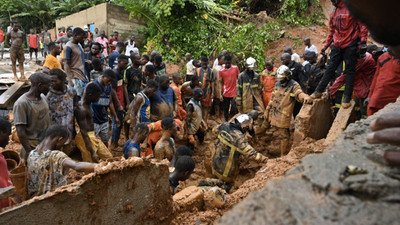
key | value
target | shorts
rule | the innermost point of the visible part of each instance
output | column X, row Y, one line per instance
column 79, row 86
column 98, row 147
column 17, row 53
column 102, row 131
column 2, row 46
column 33, row 50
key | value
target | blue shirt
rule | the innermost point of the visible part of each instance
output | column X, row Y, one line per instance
column 167, row 95
column 99, row 109
column 113, row 59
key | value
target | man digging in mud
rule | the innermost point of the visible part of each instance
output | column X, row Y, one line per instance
column 16, row 38
column 165, row 147
column 231, row 144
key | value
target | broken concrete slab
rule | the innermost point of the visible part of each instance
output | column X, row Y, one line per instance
column 133, row 191
column 340, row 123
column 317, row 192
column 189, row 198
column 313, row 121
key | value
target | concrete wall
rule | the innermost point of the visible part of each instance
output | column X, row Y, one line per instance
column 118, row 19
column 124, row 192
column 96, row 15
column 107, row 17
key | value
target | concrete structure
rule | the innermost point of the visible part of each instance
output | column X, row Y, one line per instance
column 323, row 189
column 107, row 17
column 133, row 191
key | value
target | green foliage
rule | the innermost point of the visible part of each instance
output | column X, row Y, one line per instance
column 40, row 13
column 296, row 12
column 249, row 41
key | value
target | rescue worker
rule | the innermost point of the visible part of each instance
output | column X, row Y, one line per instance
column 268, row 81
column 279, row 111
column 346, row 34
column 385, row 85
column 248, row 89
column 231, row 144
column 194, row 119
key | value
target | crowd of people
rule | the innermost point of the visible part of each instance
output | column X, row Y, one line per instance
column 92, row 82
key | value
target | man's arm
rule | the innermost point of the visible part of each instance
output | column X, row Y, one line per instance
column 21, row 131
column 363, row 32
column 329, row 39
column 80, row 116
column 27, row 41
column 67, row 65
column 86, row 167
column 244, row 148
column 136, row 105
column 126, row 95
column 8, row 38
column 239, row 87
column 112, row 107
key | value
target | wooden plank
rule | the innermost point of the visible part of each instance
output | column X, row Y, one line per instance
column 340, row 123
column 7, row 192
column 10, row 93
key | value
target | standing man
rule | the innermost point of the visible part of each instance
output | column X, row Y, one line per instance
column 32, row 114
column 46, row 41
column 189, row 67
column 347, row 35
column 96, row 33
column 294, row 56
column 176, row 86
column 223, row 53
column 248, row 91
column 216, row 107
column 113, row 60
column 113, row 41
column 268, row 80
column 278, row 113
column 309, row 46
column 297, row 74
column 74, row 62
column 32, row 40
column 51, row 61
column 1, row 44
column 15, row 38
column 130, row 47
column 228, row 78
column 104, row 41
column 207, row 85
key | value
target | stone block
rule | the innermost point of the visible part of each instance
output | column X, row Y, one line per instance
column 190, row 197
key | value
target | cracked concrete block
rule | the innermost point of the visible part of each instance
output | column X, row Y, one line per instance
column 313, row 121
column 340, row 123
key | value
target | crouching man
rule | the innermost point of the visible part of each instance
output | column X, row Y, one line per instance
column 278, row 113
column 231, row 144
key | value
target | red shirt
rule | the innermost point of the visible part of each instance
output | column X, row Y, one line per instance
column 385, row 87
column 365, row 70
column 62, row 34
column 229, row 79
column 112, row 46
column 33, row 41
column 1, row 36
column 344, row 29
column 5, row 180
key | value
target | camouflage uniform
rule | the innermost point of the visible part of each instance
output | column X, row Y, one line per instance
column 248, row 93
column 231, row 143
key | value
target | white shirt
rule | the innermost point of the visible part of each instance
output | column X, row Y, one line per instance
column 296, row 57
column 312, row 49
column 131, row 47
column 215, row 63
column 190, row 68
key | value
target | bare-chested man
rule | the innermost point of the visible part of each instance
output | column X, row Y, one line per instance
column 165, row 147
column 188, row 87
column 90, row 146
column 15, row 38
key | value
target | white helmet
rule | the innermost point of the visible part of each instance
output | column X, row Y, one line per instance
column 245, row 121
column 283, row 72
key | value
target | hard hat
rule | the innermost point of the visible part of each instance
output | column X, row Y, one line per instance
column 282, row 72
column 251, row 62
column 245, row 121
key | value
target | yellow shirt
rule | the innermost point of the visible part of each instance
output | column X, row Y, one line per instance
column 52, row 62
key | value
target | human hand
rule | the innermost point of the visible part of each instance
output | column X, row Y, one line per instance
column 386, row 130
column 308, row 100
column 70, row 83
column 323, row 50
column 94, row 157
column 366, row 101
